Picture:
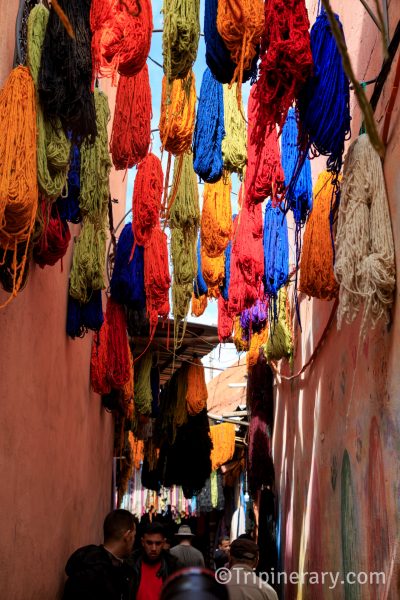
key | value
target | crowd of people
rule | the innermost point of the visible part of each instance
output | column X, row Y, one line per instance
column 155, row 571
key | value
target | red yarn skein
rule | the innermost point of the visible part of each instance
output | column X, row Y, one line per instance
column 146, row 201
column 53, row 243
column 225, row 321
column 118, row 355
column 157, row 280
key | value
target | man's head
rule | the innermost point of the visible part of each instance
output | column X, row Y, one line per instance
column 119, row 532
column 153, row 539
column 224, row 544
column 184, row 535
column 244, row 552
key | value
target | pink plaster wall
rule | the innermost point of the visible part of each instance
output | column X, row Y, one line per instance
column 345, row 510
column 55, row 439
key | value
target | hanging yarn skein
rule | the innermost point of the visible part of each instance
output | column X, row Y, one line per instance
column 130, row 136
column 234, row 150
column 53, row 146
column 199, row 305
column 276, row 249
column 146, row 200
column 118, row 354
column 55, row 238
column 213, row 270
column 225, row 321
column 316, row 267
column 177, row 116
column 185, row 210
column 216, row 216
column 227, row 276
column 65, row 74
column 18, row 181
column 127, row 280
column 199, row 285
column 181, row 34
column 68, row 203
column 143, row 395
column 82, row 317
column 280, row 341
column 223, row 444
column 209, row 130
column 196, row 392
column 156, row 277
column 365, row 261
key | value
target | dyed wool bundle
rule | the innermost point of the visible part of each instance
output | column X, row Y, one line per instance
column 88, row 263
column 181, row 411
column 240, row 25
column 68, row 204
column 121, row 36
column 196, row 392
column 184, row 261
column 213, row 270
column 240, row 343
column 143, row 394
column 118, row 353
column 127, row 280
column 130, row 136
column 209, row 130
column 280, row 342
column 286, row 60
column 257, row 339
column 234, row 151
column 254, row 319
column 316, row 267
column 216, row 217
column 98, row 361
column 200, row 287
column 247, row 259
column 82, row 317
column 199, row 305
column 299, row 195
column 264, row 174
column 227, row 275
column 55, row 238
column 177, row 117
column 185, row 210
column 324, row 102
column 155, row 390
column 65, row 74
column 225, row 321
column 156, row 277
column 181, row 33
column 223, row 444
column 146, row 200
column 365, row 264
column 53, row 146
column 18, row 182
column 276, row 249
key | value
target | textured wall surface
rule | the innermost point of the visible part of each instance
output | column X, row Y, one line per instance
column 55, row 438
column 337, row 428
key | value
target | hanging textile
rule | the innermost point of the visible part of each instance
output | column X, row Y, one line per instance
column 146, row 200
column 223, row 444
column 177, row 116
column 216, row 217
column 280, row 340
column 213, row 272
column 199, row 305
column 156, row 277
column 143, row 394
column 68, row 202
column 127, row 280
column 200, row 288
column 196, row 393
column 82, row 317
column 276, row 249
column 234, row 151
column 181, row 33
column 225, row 321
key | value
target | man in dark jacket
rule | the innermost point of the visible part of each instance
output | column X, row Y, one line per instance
column 100, row 572
column 151, row 564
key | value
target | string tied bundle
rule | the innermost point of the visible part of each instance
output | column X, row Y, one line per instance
column 65, row 75
column 121, row 36
column 127, row 280
column 82, row 317
column 280, row 341
column 184, row 206
column 177, row 117
column 184, row 261
column 199, row 305
column 143, row 395
column 181, row 34
column 316, row 267
column 225, row 321
column 130, row 136
column 156, row 277
column 286, row 60
column 196, row 392
column 68, row 202
column 323, row 105
column 234, row 150
column 53, row 146
column 216, row 216
column 213, row 270
column 18, row 182
column 55, row 238
column 146, row 201
column 365, row 261
column 257, row 339
column 240, row 24
column 223, row 444
column 200, row 287
column 209, row 129
column 276, row 249
column 88, row 262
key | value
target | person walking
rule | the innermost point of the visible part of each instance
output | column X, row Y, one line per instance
column 243, row 583
column 186, row 555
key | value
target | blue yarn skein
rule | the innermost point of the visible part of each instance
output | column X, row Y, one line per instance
column 127, row 280
column 227, row 276
column 209, row 130
column 68, row 206
column 276, row 249
column 299, row 196
column 199, row 285
column 324, row 102
column 82, row 317
column 218, row 57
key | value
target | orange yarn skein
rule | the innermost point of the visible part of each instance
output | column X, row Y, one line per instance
column 177, row 118
column 213, row 272
column 199, row 305
column 223, row 440
column 18, row 173
column 196, row 392
column 216, row 217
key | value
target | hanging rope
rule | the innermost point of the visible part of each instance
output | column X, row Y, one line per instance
column 199, row 305
column 146, row 201
column 276, row 249
column 156, row 277
column 365, row 265
column 216, row 216
column 130, row 136
column 55, row 238
column 223, row 444
column 181, row 33
column 53, row 146
column 316, row 266
column 18, row 182
column 196, row 393
column 286, row 61
column 68, row 202
column 143, row 395
column 127, row 280
column 199, row 285
column 225, row 321
column 178, row 103
column 82, row 317
column 213, row 270
column 280, row 342
column 209, row 130
column 66, row 72
column 234, row 151
column 121, row 36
